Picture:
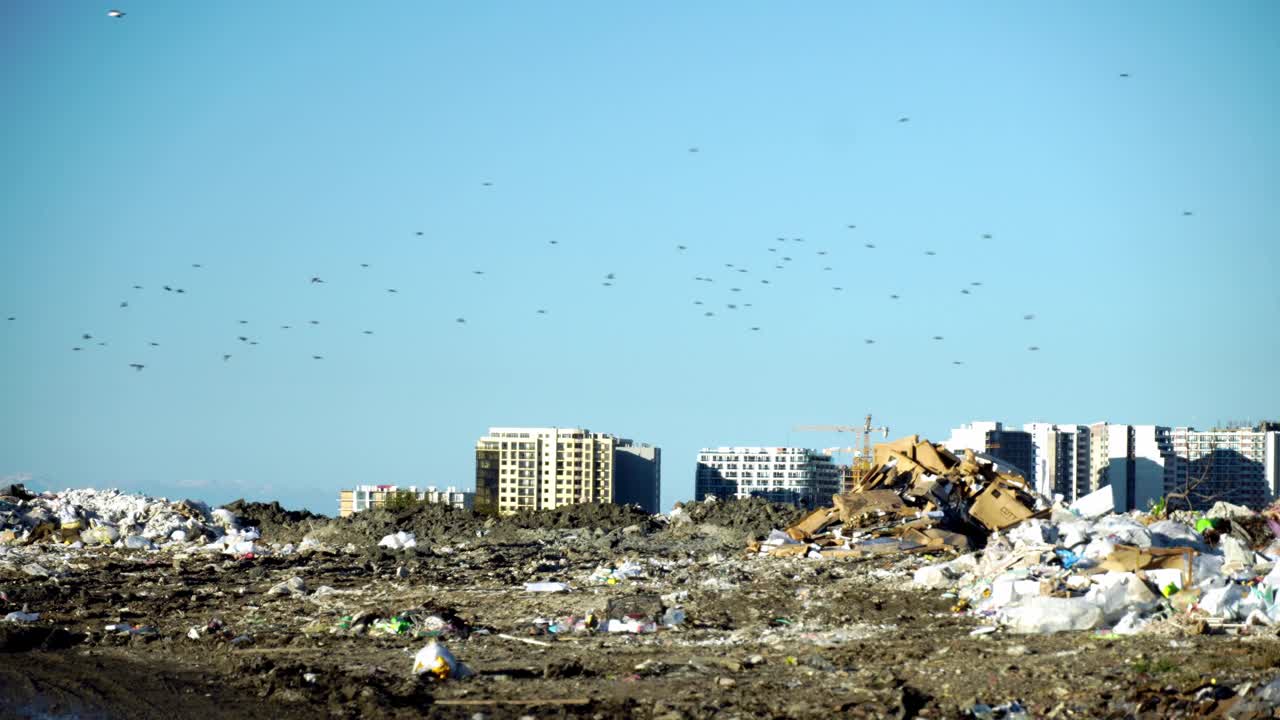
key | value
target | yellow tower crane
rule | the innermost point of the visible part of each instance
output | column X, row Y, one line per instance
column 862, row 462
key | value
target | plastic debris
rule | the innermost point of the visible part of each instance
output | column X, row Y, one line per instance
column 434, row 660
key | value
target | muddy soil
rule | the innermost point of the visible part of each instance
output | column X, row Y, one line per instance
column 762, row 637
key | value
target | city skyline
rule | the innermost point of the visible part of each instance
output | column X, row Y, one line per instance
column 272, row 251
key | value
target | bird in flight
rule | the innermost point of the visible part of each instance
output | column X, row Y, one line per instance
column 735, row 289
column 477, row 272
column 894, row 297
column 367, row 332
column 731, row 306
column 930, row 252
column 486, row 183
column 243, row 322
column 179, row 290
column 242, row 338
column 697, row 302
column 314, row 322
column 786, row 259
column 124, row 303
column 708, row 314
column 137, row 287
column 285, row 327
column 681, row 248
column 554, row 242
column 364, row 265
column 869, row 341
column 838, row 289
column 317, row 357
column 728, row 265
column 316, row 280
column 870, row 246
column 764, row 282
column 196, row 265
column 137, row 366
column 117, row 14
column 964, row 291
column 542, row 312
column 904, row 119
column 693, row 149
column 420, row 233
column 797, row 239
column 827, row 267
column 1124, row 75
column 392, row 290
column 168, row 289
column 755, row 329
column 986, row 236
column 76, row 349
column 822, row 252
column 1034, row 348
column 1186, row 213
column 852, row 227
column 86, row 336
column 460, row 320
column 976, row 284
column 609, row 276
column 226, row 357
column 1029, row 316
column 11, row 318
column 937, row 337
column 957, row 362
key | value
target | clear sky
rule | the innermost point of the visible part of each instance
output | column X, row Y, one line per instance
column 549, row 145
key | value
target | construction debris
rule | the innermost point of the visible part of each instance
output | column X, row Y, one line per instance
column 917, row 497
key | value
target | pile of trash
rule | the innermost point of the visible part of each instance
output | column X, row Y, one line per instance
column 1127, row 573
column 110, row 518
column 917, row 497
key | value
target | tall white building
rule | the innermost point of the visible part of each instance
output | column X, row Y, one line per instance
column 364, row 497
column 800, row 476
column 1060, row 462
column 1238, row 465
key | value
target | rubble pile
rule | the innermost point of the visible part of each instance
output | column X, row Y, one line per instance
column 917, row 497
column 1042, row 567
column 110, row 518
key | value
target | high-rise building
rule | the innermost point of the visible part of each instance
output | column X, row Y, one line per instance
column 531, row 468
column 1054, row 459
column 1134, row 460
column 799, row 476
column 1014, row 447
column 1236, row 465
column 364, row 497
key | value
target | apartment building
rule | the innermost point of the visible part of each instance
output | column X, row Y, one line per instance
column 1237, row 465
column 1013, row 447
column 364, row 497
column 799, row 476
column 537, row 468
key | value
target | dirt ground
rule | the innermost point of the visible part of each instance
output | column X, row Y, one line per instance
column 762, row 637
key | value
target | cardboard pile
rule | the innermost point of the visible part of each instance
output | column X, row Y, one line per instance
column 917, row 497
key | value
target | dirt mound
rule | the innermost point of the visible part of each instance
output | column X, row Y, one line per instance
column 586, row 515
column 272, row 520
column 429, row 522
column 753, row 517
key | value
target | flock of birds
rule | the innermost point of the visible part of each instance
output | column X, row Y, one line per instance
column 781, row 256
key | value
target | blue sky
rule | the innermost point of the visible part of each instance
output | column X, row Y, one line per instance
column 270, row 143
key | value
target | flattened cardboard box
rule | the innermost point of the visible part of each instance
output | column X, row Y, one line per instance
column 998, row 507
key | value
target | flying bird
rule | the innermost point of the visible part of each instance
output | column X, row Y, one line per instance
column 827, row 267
column 708, row 314
column 460, row 320
column 124, row 304
column 894, row 297
column 681, row 247
column 697, row 302
column 869, row 341
column 317, row 357
column 364, row 265
column 1029, row 316
column 196, row 265
column 870, row 246
column 487, row 183
column 542, row 312
column 1034, row 348
column 76, row 349
column 735, row 289
column 137, row 287
column 137, row 366
column 1186, row 213
column 755, row 329
column 731, row 306
column 179, row 290
column 728, row 265
column 154, row 344
column 964, row 291
column 367, row 332
column 242, row 338
column 904, row 119
column 693, row 149
column 226, row 357
column 420, row 233
column 477, row 272
column 1124, row 75
column 554, row 242
column 243, row 322
column 930, row 253
column 314, row 322
column 168, row 289
column 957, row 362
column 838, row 289
column 937, row 337
column 609, row 276
column 822, row 252
column 285, row 327
column 976, row 284
column 316, row 280
column 86, row 336
column 11, row 318
column 117, row 14
column 764, row 282
column 786, row 259
column 773, row 249
column 852, row 227
column 986, row 236
column 392, row 290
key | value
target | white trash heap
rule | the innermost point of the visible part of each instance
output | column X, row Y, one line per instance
column 110, row 518
column 1062, row 573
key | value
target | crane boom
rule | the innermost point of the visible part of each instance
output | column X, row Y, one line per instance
column 862, row 465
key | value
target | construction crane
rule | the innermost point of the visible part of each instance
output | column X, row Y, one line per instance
column 861, row 463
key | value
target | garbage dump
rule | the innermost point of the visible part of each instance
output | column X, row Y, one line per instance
column 917, row 497
column 1032, row 566
column 604, row 611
